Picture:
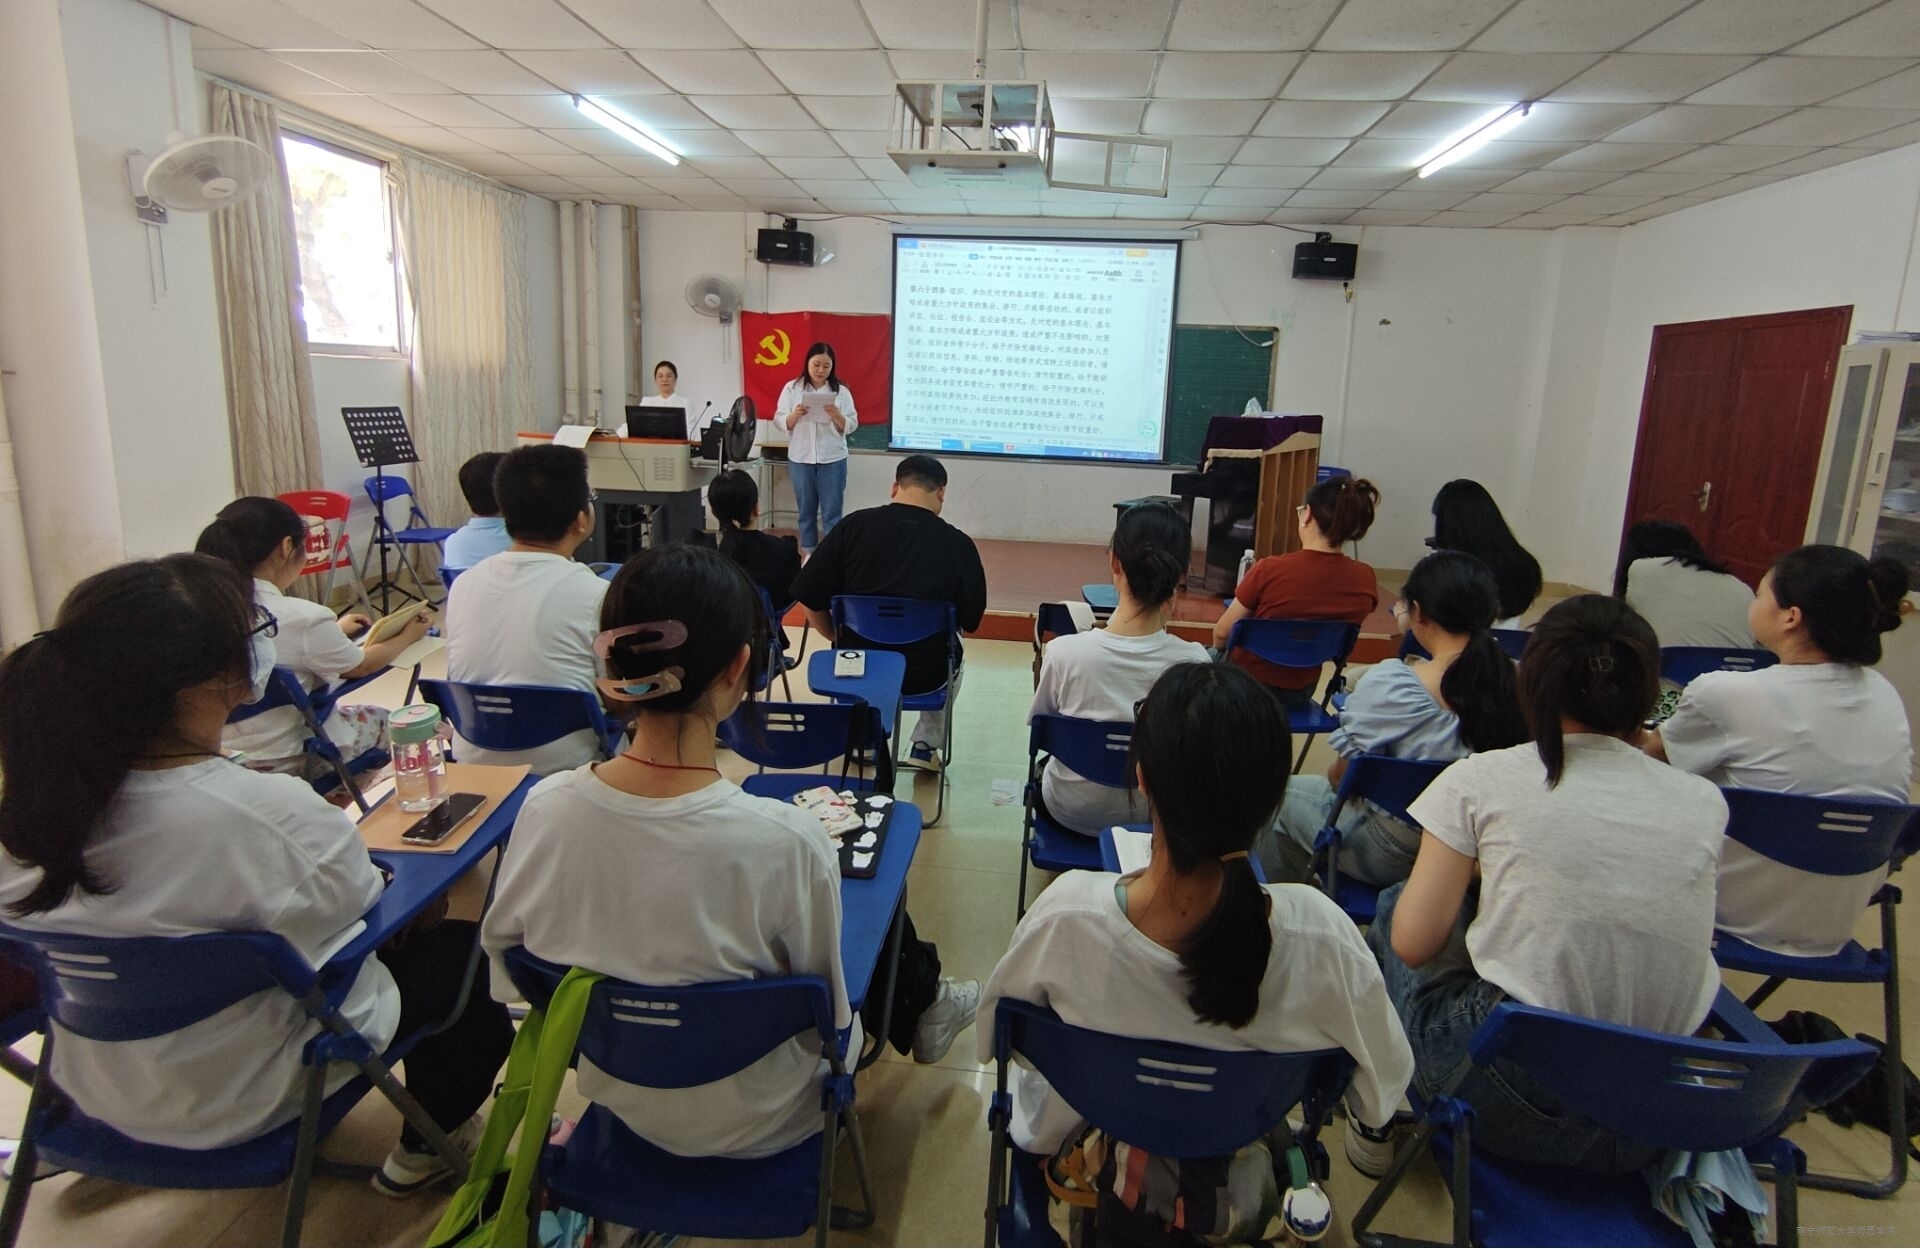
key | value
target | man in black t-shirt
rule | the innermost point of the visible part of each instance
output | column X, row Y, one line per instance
column 903, row 550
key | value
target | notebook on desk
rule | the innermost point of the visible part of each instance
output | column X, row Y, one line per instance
column 1132, row 847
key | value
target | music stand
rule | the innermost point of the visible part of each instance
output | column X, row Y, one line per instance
column 380, row 438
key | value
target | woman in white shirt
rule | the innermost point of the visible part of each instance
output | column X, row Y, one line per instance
column 653, row 868
column 1193, row 948
column 265, row 539
column 816, row 409
column 1595, row 897
column 1464, row 698
column 1820, row 722
column 1668, row 578
column 666, row 384
column 1102, row 673
column 132, row 824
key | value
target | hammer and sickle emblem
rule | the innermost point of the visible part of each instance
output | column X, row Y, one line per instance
column 778, row 348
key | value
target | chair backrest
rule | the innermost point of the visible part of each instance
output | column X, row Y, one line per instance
column 325, row 504
column 132, row 988
column 448, row 574
column 1099, row 750
column 387, row 487
column 1670, row 1092
column 1827, row 836
column 284, row 690
column 1295, row 643
column 1512, row 641
column 1052, row 620
column 325, row 512
column 1410, row 647
column 792, row 736
column 894, row 622
column 1178, row 1101
column 516, row 717
column 684, row 1036
column 1388, row 783
column 1681, row 664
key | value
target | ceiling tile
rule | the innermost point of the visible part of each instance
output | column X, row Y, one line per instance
column 1348, row 200
column 201, row 37
column 1515, row 154
column 1358, row 179
column 1549, row 120
column 364, row 110
column 755, row 112
column 1359, row 75
column 1819, row 160
column 1748, row 25
column 1562, row 182
column 382, row 23
column 485, row 72
column 1242, row 196
column 1695, row 123
column 1318, row 118
column 1500, row 201
column 518, row 24
column 849, row 112
column 1090, row 212
column 1309, row 216
column 1461, row 178
column 782, row 24
column 1744, row 182
column 598, row 141
column 715, row 142
column 1467, row 220
column 934, row 23
column 1395, row 26
column 870, row 144
column 1221, row 75
column 1289, row 151
column 432, row 139
column 516, row 140
column 1649, row 182
column 1895, row 24
column 1899, row 136
column 1610, row 203
column 1098, row 116
column 1226, row 212
column 1427, row 121
column 546, row 184
column 1729, row 158
column 790, row 143
column 372, row 72
column 1421, row 201
column 1202, row 117
column 1205, row 150
column 657, row 23
column 797, row 167
column 862, row 71
column 1822, row 127
column 1096, row 75
column 882, row 170
column 640, row 164
column 567, row 165
column 1074, row 24
column 711, row 73
column 592, row 71
column 736, row 167
column 1268, row 177
column 1574, row 25
column 549, row 112
column 1900, row 91
column 1384, row 153
column 1633, row 78
column 1386, row 217
column 955, row 66
column 822, row 187
column 1249, row 25
column 261, row 24
column 1621, row 156
column 1673, row 204
column 1179, row 175
column 446, row 110
column 660, row 112
column 1797, row 80
column 1142, row 208
column 1549, row 221
column 494, row 165
column 262, row 71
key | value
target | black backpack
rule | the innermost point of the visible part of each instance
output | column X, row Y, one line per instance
column 1866, row 1101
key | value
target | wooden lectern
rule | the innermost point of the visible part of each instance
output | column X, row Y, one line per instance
column 1287, row 472
column 1255, row 470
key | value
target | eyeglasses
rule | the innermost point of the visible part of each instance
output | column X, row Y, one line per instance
column 593, row 496
column 1300, row 509
column 264, row 622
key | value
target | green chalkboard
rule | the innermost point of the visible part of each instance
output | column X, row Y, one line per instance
column 1216, row 369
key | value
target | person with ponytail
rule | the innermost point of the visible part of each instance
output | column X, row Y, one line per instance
column 1668, row 577
column 771, row 561
column 1595, row 870
column 1820, row 722
column 1193, row 948
column 121, row 818
column 654, row 868
column 1101, row 674
column 1465, row 698
column 1465, row 518
column 265, row 540
column 1316, row 582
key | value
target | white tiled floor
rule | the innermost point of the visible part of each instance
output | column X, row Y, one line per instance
column 925, row 1126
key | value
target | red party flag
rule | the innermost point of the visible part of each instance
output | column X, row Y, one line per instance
column 773, row 348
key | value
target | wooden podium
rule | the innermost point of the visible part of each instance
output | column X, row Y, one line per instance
column 1287, row 471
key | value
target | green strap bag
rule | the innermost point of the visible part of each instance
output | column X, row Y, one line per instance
column 535, row 1069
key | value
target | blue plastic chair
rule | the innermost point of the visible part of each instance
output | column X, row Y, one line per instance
column 1681, row 664
column 896, row 624
column 1301, row 644
column 683, row 1037
column 1050, row 620
column 126, row 989
column 792, row 736
column 285, row 690
column 1389, row 784
column 1097, row 750
column 780, row 661
column 1512, row 641
column 447, row 576
column 520, row 717
column 1833, row 837
column 1221, row 1101
column 1663, row 1092
column 419, row 532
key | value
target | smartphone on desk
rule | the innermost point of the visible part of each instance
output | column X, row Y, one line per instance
column 850, row 663
column 438, row 824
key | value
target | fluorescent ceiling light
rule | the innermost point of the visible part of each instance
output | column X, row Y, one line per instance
column 628, row 129
column 1474, row 137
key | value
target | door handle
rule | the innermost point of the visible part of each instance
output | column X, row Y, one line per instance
column 1704, row 493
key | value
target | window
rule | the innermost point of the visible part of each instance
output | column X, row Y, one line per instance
column 343, row 221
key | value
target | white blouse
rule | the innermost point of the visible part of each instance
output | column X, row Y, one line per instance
column 814, row 440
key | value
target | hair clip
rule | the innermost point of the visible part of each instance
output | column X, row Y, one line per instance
column 666, row 634
column 1600, row 663
column 1230, row 857
column 641, row 689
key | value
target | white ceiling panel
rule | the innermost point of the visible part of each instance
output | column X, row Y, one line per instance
column 711, row 73
column 954, row 65
column 592, row 71
column 1575, row 25
column 1242, row 197
column 494, row 165
column 1515, row 154
column 1600, row 156
column 261, row 24
column 595, row 142
column 568, row 165
column 841, row 167
column 782, row 24
column 818, row 187
column 263, row 72
column 1308, row 216
column 1560, row 182
column 1501, row 77
column 1893, row 25
column 882, row 172
column 1798, row 80
column 516, row 140
column 1551, row 119
column 375, row 73
column 1396, row 26
column 1510, row 203
column 861, row 144
column 755, row 112
column 1548, row 221
column 1899, row 136
column 1748, row 25
column 1222, row 75
column 1463, row 178
column 1421, row 200
column 1343, row 179
column 661, row 112
column 1744, row 182
column 1095, row 75
column 1384, row 153
column 1289, row 151
column 1649, row 182
column 1695, row 123
column 432, row 139
column 1205, row 150
column 1730, row 158
column 1269, row 177
column 1902, row 90
column 1633, row 78
column 1427, row 121
column 790, row 142
column 384, row 23
column 701, row 143
column 365, row 110
column 1249, row 25
column 545, row 184
column 1056, row 25
column 1359, row 75
column 863, row 72
column 1385, row 217
column 638, row 164
column 1186, row 175
column 1604, row 204
column 1820, row 160
column 1825, row 127
column 657, row 23
column 476, row 73
column 849, row 112
column 441, row 110
column 518, row 23
column 549, row 112
column 1318, row 118
column 1467, row 221
column 1348, row 200
column 934, row 23
column 201, row 37
column 1203, row 117
column 1099, row 116
column 729, row 168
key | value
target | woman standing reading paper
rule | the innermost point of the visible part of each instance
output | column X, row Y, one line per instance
column 816, row 410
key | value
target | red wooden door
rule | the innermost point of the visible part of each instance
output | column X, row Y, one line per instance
column 1730, row 430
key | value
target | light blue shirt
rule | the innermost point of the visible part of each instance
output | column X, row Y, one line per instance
column 474, row 541
column 1391, row 713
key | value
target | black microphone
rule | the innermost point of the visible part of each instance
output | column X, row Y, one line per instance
column 702, row 418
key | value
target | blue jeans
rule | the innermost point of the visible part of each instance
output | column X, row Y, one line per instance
column 818, row 488
column 1441, row 1004
column 1375, row 848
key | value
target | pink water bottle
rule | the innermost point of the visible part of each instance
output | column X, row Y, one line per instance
column 419, row 757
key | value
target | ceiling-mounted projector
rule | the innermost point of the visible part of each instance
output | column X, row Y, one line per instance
column 971, row 133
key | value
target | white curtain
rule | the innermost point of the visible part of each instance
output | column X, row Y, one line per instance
column 582, row 398
column 464, row 244
column 256, row 268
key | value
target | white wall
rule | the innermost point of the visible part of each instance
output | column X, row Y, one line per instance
column 130, row 70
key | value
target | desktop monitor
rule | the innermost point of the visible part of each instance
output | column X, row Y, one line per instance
column 668, row 424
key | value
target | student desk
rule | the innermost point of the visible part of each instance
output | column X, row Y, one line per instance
column 1104, row 599
column 879, row 687
column 1110, row 854
column 871, row 915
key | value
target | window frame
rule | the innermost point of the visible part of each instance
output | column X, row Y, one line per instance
column 402, row 298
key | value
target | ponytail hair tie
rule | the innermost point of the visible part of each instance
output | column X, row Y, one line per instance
column 1600, row 663
column 1237, row 854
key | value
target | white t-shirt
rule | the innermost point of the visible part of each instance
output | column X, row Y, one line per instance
column 1078, row 954
column 526, row 618
column 814, row 440
column 310, row 642
column 213, row 847
column 1690, row 606
column 714, row 885
column 1596, row 896
column 1100, row 675
column 1832, row 730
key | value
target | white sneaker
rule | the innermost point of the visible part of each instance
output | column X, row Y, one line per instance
column 407, row 1171
column 950, row 1015
column 1370, row 1150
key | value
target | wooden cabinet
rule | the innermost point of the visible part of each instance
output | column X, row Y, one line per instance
column 1867, row 494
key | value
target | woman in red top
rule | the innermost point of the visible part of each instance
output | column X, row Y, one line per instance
column 1316, row 582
